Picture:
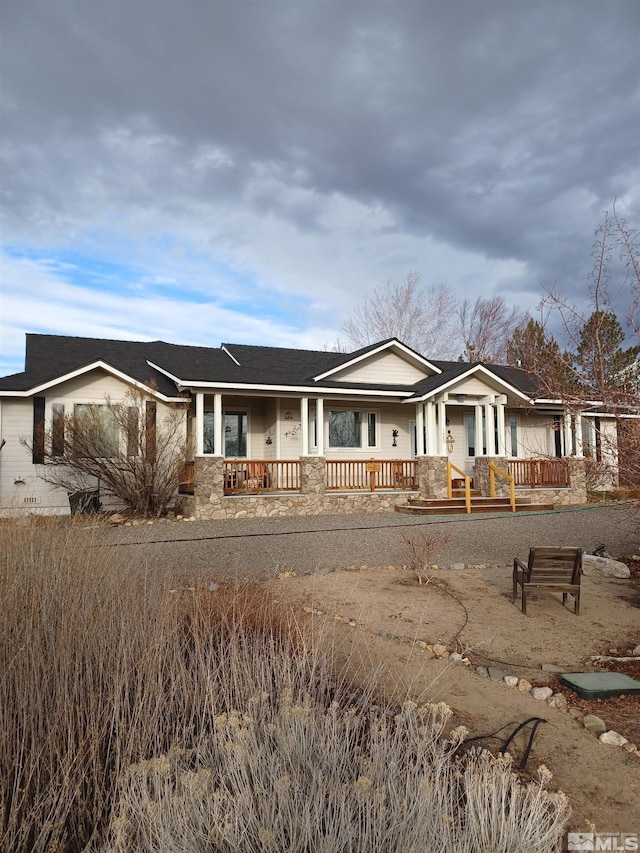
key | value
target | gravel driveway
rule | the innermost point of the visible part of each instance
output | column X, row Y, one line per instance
column 264, row 547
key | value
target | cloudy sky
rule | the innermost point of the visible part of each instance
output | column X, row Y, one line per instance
column 225, row 170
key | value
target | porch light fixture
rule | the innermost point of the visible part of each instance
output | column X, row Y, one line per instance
column 461, row 397
column 288, row 416
column 394, row 433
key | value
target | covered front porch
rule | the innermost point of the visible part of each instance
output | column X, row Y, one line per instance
column 282, row 455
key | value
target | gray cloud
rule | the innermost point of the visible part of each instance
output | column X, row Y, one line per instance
column 497, row 130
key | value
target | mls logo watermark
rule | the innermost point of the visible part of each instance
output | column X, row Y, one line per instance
column 603, row 841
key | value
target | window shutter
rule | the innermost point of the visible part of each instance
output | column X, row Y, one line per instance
column 150, row 430
column 38, row 431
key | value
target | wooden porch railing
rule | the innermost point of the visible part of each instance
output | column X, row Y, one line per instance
column 256, row 476
column 467, row 484
column 540, row 473
column 371, row 474
column 493, row 470
column 187, row 476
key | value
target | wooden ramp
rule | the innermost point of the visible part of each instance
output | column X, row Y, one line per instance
column 456, row 505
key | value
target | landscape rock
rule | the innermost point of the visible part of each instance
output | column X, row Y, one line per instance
column 636, row 650
column 524, row 686
column 630, row 747
column 511, row 680
column 482, row 671
column 613, row 738
column 542, row 693
column 496, row 674
column 557, row 701
column 455, row 656
column 116, row 518
column 440, row 651
column 594, row 724
column 604, row 566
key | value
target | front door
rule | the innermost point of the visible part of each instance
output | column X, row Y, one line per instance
column 235, row 435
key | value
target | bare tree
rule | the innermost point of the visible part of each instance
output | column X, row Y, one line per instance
column 597, row 368
column 486, row 327
column 127, row 448
column 422, row 319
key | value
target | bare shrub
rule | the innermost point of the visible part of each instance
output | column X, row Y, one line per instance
column 421, row 548
column 303, row 777
column 103, row 668
column 130, row 449
column 138, row 717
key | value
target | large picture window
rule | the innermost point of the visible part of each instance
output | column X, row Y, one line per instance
column 353, row 429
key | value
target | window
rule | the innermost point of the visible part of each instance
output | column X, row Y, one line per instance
column 471, row 435
column 133, row 427
column 345, row 429
column 353, row 429
column 57, row 429
column 371, row 429
column 95, row 426
column 512, row 445
column 208, row 432
column 235, row 434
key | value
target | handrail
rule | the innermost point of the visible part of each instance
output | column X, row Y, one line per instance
column 493, row 470
column 467, row 484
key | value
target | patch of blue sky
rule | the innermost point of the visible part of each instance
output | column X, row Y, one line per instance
column 173, row 272
column 79, row 269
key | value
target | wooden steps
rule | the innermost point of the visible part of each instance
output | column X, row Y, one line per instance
column 456, row 505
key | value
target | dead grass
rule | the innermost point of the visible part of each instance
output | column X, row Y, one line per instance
column 110, row 678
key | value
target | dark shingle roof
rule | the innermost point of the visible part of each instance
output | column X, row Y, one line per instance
column 49, row 357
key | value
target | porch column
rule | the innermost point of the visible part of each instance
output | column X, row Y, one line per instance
column 488, row 418
column 199, row 424
column 218, row 435
column 420, row 448
column 304, row 421
column 502, row 450
column 431, row 448
column 578, row 433
column 320, row 426
column 568, row 443
column 478, row 431
column 442, row 425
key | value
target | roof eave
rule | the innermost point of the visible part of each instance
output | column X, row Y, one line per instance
column 81, row 371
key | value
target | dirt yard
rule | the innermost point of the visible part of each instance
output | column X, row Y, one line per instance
column 380, row 617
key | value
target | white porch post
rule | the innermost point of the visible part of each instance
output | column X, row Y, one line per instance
column 432, row 445
column 442, row 426
column 304, row 421
column 218, row 434
column 502, row 450
column 479, row 447
column 199, row 424
column 420, row 449
column 320, row 426
column 568, row 443
column 579, row 445
column 488, row 417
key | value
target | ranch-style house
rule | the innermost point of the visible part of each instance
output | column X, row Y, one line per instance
column 272, row 431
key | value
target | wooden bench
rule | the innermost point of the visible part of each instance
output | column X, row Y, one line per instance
column 556, row 569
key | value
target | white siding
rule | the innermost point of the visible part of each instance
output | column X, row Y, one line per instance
column 386, row 368
column 473, row 386
column 21, row 489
